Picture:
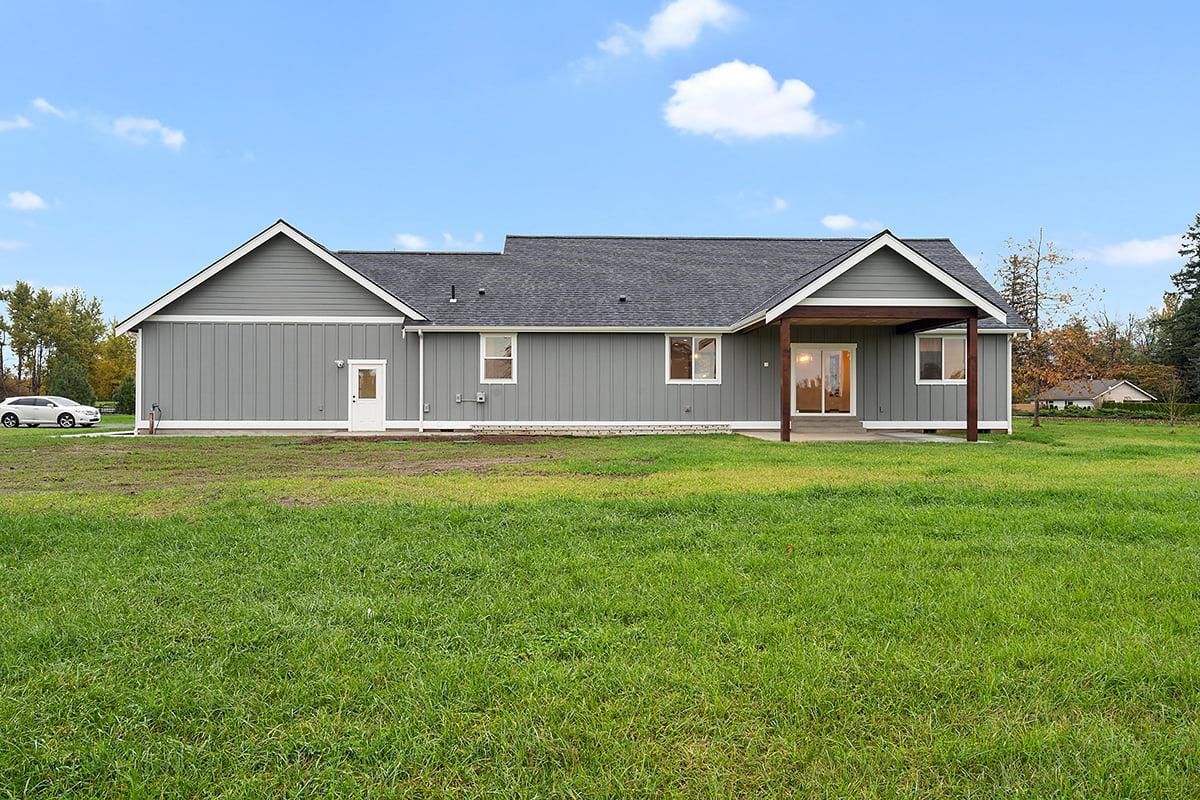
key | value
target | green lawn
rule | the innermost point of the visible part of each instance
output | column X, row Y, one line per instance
column 651, row 617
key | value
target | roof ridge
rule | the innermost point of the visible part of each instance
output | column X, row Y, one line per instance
column 426, row 252
column 691, row 238
column 851, row 241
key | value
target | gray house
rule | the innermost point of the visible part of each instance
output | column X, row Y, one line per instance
column 616, row 334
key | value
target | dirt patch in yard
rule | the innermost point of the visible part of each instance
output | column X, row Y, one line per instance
column 197, row 464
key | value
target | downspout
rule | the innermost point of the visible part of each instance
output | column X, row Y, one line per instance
column 1009, row 337
column 137, row 381
column 421, row 381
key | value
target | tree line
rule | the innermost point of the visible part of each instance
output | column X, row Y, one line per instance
column 1160, row 351
column 60, row 344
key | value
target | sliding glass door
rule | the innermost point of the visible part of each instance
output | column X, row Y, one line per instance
column 822, row 379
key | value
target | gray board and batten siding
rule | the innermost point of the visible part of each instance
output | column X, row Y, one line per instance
column 263, row 372
column 620, row 377
column 280, row 278
column 886, row 274
column 270, row 372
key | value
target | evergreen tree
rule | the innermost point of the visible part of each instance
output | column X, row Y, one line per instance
column 126, row 395
column 1180, row 329
column 68, row 379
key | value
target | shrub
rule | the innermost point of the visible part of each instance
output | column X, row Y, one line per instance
column 69, row 379
column 126, row 395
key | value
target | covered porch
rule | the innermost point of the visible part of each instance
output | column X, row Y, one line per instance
column 818, row 379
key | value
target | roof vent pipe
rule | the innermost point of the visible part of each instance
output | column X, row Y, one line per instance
column 453, row 299
column 481, row 292
column 621, row 299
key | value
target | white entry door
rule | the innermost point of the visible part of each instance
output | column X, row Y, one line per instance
column 368, row 395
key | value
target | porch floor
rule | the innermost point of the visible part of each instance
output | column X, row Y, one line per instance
column 851, row 436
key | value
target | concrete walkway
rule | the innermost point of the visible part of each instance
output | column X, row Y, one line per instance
column 856, row 436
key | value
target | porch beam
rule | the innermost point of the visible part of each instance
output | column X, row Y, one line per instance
column 972, row 380
column 907, row 313
column 920, row 325
column 785, row 380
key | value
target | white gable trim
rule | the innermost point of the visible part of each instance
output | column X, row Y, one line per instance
column 296, row 236
column 887, row 239
column 1135, row 387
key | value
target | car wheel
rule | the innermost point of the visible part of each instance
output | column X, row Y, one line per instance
column 66, row 421
column 10, row 420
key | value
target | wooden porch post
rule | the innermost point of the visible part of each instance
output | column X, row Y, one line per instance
column 972, row 379
column 785, row 380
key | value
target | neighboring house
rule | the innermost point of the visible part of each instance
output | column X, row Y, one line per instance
column 593, row 333
column 1093, row 393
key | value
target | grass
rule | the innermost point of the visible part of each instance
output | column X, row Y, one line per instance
column 657, row 616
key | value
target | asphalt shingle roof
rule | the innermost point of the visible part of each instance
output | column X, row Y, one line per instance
column 1082, row 389
column 668, row 282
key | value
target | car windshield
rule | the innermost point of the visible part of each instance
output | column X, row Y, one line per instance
column 62, row 401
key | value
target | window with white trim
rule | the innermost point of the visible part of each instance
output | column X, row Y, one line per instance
column 941, row 359
column 693, row 359
column 497, row 358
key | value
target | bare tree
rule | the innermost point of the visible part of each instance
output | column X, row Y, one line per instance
column 1038, row 281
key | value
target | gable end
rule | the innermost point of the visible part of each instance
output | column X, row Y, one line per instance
column 280, row 278
column 886, row 274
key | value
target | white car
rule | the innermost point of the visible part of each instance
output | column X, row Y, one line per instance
column 46, row 410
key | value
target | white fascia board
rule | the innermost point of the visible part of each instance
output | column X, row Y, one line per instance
column 944, row 424
column 565, row 329
column 216, row 267
column 259, row 318
column 884, row 302
column 248, row 424
column 392, row 424
column 427, row 328
column 981, row 331
column 887, row 239
column 1136, row 388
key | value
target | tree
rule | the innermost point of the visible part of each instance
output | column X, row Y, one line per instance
column 1180, row 326
column 1174, row 393
column 117, row 359
column 41, row 327
column 126, row 395
column 77, row 327
column 3, row 346
column 69, row 379
column 1037, row 280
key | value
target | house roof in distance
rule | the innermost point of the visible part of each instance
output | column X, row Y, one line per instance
column 1087, row 389
column 675, row 282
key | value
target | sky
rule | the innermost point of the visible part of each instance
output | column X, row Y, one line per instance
column 140, row 142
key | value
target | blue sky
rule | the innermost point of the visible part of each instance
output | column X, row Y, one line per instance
column 139, row 142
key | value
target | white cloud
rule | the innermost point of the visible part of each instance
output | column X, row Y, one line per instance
column 13, row 124
column 780, row 204
column 1136, row 252
column 9, row 244
column 678, row 25
column 619, row 43
column 140, row 130
column 450, row 243
column 25, row 201
column 410, row 241
column 845, row 222
column 43, row 105
column 742, row 101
